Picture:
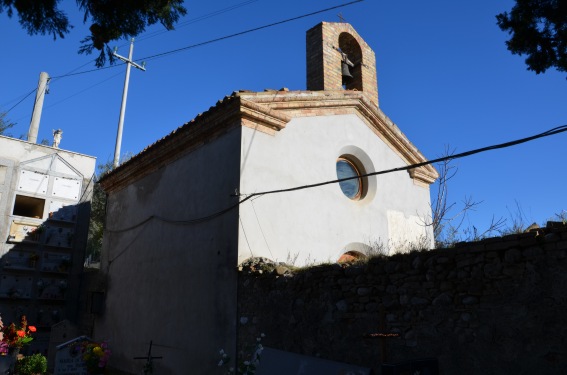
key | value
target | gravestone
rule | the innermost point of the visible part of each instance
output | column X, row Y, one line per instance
column 279, row 362
column 61, row 333
column 68, row 360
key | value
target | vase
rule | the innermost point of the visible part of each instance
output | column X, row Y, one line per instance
column 7, row 362
column 14, row 352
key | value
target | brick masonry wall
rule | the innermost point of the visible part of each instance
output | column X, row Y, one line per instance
column 324, row 61
column 497, row 306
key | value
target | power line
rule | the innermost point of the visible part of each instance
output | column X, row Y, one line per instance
column 73, row 70
column 197, row 19
column 24, row 98
column 86, row 71
column 246, row 31
column 155, row 33
column 554, row 131
column 71, row 73
column 86, row 89
column 261, row 230
column 148, row 36
column 77, row 93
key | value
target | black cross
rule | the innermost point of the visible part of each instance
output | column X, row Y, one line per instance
column 341, row 18
column 149, row 367
column 382, row 335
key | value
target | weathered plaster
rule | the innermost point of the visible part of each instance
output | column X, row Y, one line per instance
column 313, row 225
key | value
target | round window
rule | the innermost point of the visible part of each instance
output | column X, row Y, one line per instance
column 352, row 188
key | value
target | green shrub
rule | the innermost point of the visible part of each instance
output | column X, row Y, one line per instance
column 32, row 365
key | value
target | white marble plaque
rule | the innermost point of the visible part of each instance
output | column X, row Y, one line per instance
column 68, row 360
column 33, row 182
column 66, row 188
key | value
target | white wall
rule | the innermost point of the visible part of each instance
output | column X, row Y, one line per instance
column 19, row 150
column 14, row 152
column 170, row 280
column 316, row 225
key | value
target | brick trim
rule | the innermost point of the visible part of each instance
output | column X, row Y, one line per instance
column 268, row 112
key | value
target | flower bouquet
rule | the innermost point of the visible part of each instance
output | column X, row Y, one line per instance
column 12, row 338
column 95, row 355
column 15, row 337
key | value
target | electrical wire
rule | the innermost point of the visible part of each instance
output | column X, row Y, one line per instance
column 159, row 55
column 148, row 36
column 24, row 98
column 195, row 20
column 71, row 74
column 73, row 70
column 261, row 230
column 77, row 93
column 87, row 71
column 554, row 131
column 244, row 32
column 245, row 236
column 82, row 91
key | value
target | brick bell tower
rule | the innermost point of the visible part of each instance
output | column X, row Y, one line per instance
column 331, row 45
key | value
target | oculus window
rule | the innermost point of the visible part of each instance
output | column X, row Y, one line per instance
column 347, row 169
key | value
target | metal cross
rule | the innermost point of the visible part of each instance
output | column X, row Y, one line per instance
column 149, row 366
column 382, row 335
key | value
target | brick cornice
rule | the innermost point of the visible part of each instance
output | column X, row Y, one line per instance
column 269, row 112
column 227, row 114
column 268, row 119
column 321, row 103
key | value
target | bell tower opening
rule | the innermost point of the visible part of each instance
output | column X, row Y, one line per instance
column 351, row 63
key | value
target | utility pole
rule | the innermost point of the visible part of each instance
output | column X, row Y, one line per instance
column 129, row 63
column 37, row 107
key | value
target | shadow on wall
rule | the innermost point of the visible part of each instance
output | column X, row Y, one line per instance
column 41, row 268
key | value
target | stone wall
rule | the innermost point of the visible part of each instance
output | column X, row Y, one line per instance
column 497, row 306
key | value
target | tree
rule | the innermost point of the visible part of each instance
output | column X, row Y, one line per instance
column 111, row 19
column 448, row 219
column 98, row 210
column 5, row 124
column 538, row 29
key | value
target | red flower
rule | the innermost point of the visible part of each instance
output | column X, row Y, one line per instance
column 21, row 333
column 32, row 328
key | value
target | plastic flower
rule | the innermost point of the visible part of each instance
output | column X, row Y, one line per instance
column 17, row 337
column 95, row 355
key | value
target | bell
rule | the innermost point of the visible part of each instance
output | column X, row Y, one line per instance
column 345, row 70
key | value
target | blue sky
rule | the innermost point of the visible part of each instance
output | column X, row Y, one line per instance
column 445, row 78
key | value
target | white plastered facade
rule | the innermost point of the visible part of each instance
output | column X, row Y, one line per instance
column 320, row 224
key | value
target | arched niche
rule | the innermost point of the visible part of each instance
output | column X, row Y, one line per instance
column 349, row 45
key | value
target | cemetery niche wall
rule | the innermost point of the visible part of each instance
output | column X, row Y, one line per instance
column 45, row 197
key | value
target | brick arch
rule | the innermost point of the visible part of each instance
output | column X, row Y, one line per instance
column 351, row 256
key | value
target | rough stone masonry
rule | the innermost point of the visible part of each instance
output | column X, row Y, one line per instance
column 496, row 306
